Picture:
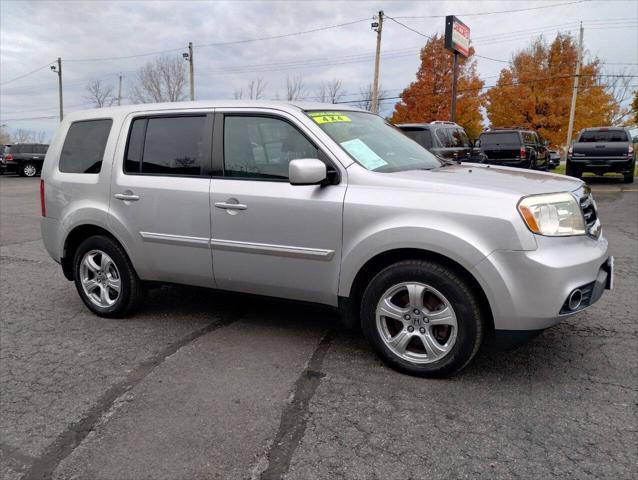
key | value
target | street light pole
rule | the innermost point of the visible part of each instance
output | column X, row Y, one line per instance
column 572, row 109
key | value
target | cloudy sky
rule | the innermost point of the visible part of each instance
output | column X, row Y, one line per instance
column 94, row 39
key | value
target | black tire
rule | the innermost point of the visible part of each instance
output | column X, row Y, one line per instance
column 572, row 172
column 532, row 162
column 628, row 176
column 469, row 334
column 131, row 288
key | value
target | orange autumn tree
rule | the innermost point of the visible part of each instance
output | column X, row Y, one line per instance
column 429, row 97
column 535, row 91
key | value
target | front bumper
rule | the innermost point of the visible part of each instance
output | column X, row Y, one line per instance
column 527, row 289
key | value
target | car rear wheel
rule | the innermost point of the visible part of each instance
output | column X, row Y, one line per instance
column 105, row 278
column 572, row 172
column 422, row 318
column 628, row 176
column 28, row 170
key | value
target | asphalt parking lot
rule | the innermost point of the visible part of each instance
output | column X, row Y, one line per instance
column 201, row 384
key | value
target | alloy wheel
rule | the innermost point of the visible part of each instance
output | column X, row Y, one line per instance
column 416, row 322
column 100, row 278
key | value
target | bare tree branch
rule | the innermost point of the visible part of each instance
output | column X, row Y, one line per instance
column 256, row 88
column 239, row 93
column 365, row 102
column 295, row 88
column 620, row 88
column 330, row 92
column 161, row 81
column 99, row 95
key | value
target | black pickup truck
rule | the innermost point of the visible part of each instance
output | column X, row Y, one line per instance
column 602, row 150
column 514, row 147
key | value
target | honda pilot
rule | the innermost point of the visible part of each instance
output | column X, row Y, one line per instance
column 335, row 206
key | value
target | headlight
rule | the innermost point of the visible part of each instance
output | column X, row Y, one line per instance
column 554, row 215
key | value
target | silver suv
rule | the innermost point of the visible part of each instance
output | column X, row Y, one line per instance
column 313, row 203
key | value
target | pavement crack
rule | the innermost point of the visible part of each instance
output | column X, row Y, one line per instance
column 295, row 416
column 44, row 466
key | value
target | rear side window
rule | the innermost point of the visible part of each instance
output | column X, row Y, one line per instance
column 420, row 136
column 167, row 146
column 84, row 146
column 499, row 138
column 603, row 136
column 528, row 137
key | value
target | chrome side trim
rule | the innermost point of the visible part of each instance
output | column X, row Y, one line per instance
column 168, row 239
column 269, row 249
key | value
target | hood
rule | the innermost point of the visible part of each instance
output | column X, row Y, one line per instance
column 510, row 180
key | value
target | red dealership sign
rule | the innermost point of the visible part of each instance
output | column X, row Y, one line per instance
column 457, row 36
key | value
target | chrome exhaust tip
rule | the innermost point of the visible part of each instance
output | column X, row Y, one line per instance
column 575, row 299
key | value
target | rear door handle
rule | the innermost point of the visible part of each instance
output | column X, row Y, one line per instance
column 127, row 197
column 231, row 206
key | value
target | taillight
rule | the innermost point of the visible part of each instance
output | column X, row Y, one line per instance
column 570, row 151
column 630, row 151
column 43, row 207
column 8, row 157
column 523, row 152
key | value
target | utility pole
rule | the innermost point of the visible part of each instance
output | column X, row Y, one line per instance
column 58, row 70
column 119, row 92
column 572, row 110
column 455, row 77
column 190, row 65
column 378, row 27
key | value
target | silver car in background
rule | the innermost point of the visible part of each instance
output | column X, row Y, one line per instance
column 313, row 203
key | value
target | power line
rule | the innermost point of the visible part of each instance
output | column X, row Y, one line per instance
column 477, row 14
column 28, row 73
column 215, row 44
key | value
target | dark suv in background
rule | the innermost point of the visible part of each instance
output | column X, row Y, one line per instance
column 25, row 159
column 602, row 150
column 514, row 147
column 444, row 139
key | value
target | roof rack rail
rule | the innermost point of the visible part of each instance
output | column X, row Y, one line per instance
column 509, row 128
column 443, row 122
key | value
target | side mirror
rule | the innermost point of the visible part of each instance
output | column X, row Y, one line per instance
column 546, row 143
column 307, row 171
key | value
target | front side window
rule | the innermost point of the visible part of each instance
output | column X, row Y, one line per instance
column 84, row 146
column 167, row 146
column 459, row 138
column 444, row 137
column 262, row 147
column 373, row 143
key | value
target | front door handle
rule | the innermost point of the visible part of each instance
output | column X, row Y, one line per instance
column 129, row 197
column 231, row 206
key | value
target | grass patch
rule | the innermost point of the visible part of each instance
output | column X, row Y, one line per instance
column 561, row 171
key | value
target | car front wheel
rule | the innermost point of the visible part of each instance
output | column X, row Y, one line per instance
column 422, row 318
column 105, row 278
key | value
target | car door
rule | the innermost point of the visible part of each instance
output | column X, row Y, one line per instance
column 268, row 236
column 159, row 203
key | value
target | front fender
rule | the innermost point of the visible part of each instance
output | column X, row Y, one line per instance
column 358, row 253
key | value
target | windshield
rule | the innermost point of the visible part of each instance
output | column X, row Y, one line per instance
column 373, row 143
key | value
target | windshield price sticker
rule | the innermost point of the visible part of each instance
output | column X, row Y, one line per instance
column 329, row 117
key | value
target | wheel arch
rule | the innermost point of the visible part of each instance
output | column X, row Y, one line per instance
column 73, row 240
column 350, row 305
